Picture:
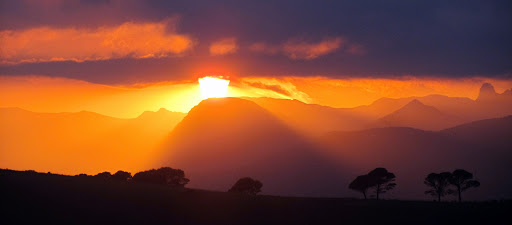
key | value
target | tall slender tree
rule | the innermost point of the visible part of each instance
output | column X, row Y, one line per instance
column 462, row 180
column 439, row 184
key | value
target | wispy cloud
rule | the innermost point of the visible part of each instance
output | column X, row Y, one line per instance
column 224, row 46
column 303, row 50
column 311, row 50
column 135, row 40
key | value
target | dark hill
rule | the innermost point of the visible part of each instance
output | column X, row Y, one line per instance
column 224, row 139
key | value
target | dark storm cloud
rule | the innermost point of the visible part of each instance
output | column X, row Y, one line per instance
column 419, row 38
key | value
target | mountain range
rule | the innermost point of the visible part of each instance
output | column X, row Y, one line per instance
column 81, row 142
column 294, row 148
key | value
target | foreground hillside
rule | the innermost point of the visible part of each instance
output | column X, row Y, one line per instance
column 36, row 198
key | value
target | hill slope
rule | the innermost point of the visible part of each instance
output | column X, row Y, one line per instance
column 222, row 140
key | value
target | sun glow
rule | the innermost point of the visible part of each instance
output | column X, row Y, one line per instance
column 213, row 87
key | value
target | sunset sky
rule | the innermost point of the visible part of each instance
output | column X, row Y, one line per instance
column 120, row 58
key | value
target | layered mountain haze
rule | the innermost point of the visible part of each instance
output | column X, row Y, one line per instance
column 294, row 148
column 311, row 119
column 484, row 146
column 82, row 142
column 417, row 115
column 222, row 140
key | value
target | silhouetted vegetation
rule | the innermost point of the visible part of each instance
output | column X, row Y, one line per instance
column 379, row 179
column 382, row 180
column 104, row 175
column 361, row 184
column 82, row 175
column 122, row 176
column 438, row 184
column 41, row 198
column 247, row 185
column 165, row 175
column 462, row 180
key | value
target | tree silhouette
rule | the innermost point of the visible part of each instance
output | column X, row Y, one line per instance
column 165, row 175
column 103, row 175
column 439, row 184
column 462, row 180
column 247, row 185
column 361, row 184
column 382, row 180
column 121, row 176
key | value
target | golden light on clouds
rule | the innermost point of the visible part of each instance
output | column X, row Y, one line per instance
column 136, row 40
column 46, row 94
column 305, row 50
column 224, row 46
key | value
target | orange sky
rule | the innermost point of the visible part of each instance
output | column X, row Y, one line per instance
column 45, row 94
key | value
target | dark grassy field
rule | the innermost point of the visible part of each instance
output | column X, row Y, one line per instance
column 38, row 198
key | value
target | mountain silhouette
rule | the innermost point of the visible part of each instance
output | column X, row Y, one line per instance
column 311, row 119
column 417, row 115
column 487, row 92
column 484, row 146
column 224, row 139
column 81, row 142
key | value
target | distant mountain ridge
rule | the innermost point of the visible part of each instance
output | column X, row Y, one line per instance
column 316, row 119
column 418, row 115
column 80, row 141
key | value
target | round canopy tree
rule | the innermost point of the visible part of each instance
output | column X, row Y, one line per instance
column 438, row 184
column 462, row 180
column 382, row 180
column 361, row 184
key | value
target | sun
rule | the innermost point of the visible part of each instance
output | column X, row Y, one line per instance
column 213, row 87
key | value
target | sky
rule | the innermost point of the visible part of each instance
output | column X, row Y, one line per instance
column 336, row 53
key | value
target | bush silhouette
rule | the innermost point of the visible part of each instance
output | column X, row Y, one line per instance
column 247, row 185
column 361, row 184
column 165, row 175
column 121, row 176
column 462, row 180
column 439, row 184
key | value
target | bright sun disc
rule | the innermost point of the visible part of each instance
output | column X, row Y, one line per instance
column 212, row 87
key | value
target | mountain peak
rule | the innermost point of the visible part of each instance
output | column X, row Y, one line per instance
column 486, row 92
column 418, row 115
column 226, row 106
column 414, row 102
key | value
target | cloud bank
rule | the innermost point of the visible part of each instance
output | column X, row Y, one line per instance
column 133, row 40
